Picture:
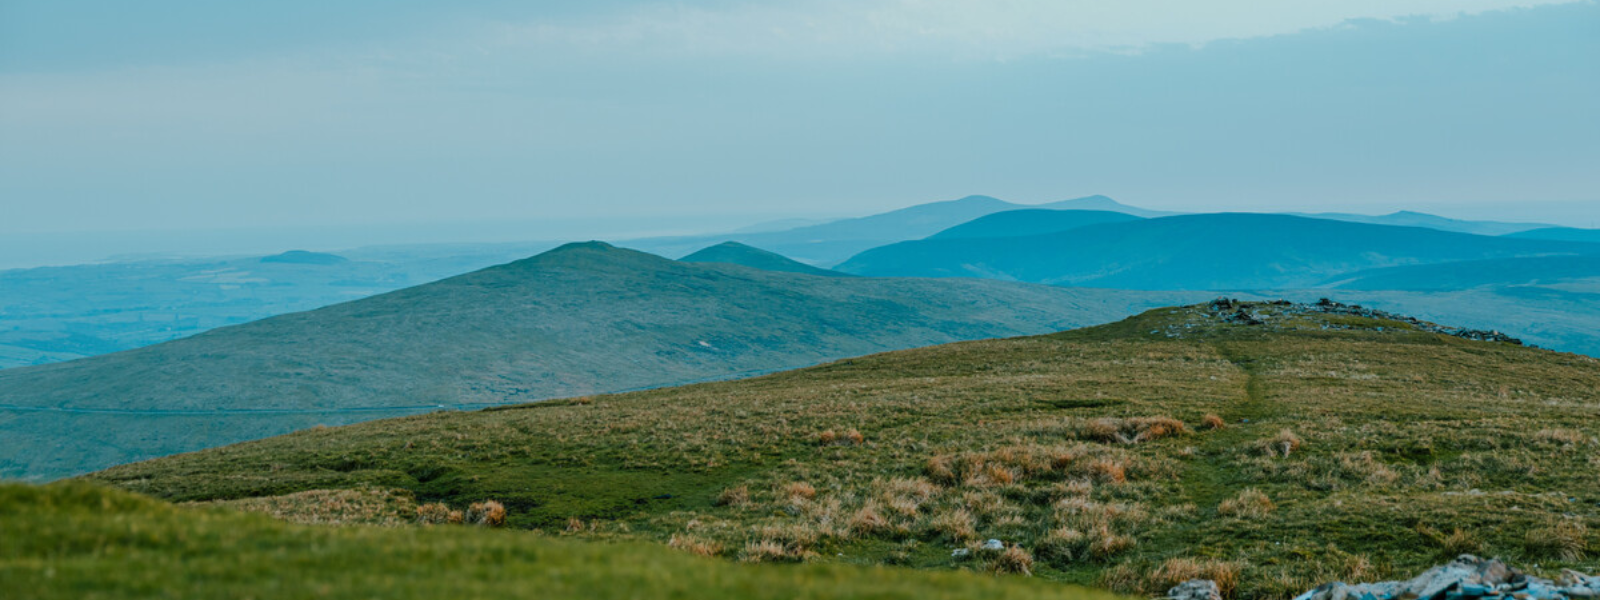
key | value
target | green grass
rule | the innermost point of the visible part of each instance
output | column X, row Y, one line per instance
column 83, row 542
column 1403, row 438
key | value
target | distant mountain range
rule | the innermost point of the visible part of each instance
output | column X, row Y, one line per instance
column 1228, row 251
column 581, row 319
column 1406, row 218
column 55, row 314
column 1020, row 223
column 829, row 243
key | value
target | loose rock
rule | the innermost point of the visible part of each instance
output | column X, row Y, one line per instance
column 1466, row 578
column 1195, row 589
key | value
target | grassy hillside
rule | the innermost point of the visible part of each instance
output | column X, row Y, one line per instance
column 1273, row 456
column 582, row 319
column 1212, row 251
column 81, row 542
column 735, row 253
column 1014, row 223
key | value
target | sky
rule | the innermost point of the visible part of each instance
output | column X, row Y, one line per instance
column 363, row 120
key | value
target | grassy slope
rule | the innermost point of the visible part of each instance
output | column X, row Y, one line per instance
column 82, row 542
column 1212, row 251
column 1405, row 438
column 587, row 318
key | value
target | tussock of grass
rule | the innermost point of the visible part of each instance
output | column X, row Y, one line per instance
column 737, row 496
column 1249, row 504
column 694, row 545
column 1281, row 445
column 487, row 513
column 1566, row 539
column 437, row 514
column 1178, row 570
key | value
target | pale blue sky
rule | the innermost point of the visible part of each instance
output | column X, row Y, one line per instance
column 189, row 114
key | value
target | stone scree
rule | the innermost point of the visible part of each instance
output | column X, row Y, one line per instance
column 1465, row 578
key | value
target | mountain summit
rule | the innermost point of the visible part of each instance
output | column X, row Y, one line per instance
column 735, row 253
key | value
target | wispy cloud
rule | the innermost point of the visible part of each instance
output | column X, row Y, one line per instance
column 959, row 28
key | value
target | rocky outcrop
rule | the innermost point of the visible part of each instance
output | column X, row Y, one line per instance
column 1466, row 578
column 1255, row 314
column 1195, row 589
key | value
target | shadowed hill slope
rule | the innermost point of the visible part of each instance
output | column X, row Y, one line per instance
column 1212, row 251
column 1017, row 223
column 1406, row 218
column 1473, row 273
column 584, row 318
column 735, row 253
column 1566, row 234
column 1273, row 447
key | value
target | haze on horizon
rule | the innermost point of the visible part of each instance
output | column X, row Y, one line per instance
column 177, row 115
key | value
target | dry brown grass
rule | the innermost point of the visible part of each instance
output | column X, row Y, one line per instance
column 954, row 525
column 1249, row 504
column 770, row 551
column 487, row 513
column 1212, row 422
column 868, row 520
column 438, row 514
column 695, row 545
column 938, row 467
column 1281, row 445
column 737, row 496
column 850, row 437
column 1014, row 559
column 797, row 492
column 1131, row 430
column 1564, row 437
column 1460, row 542
column 1108, row 471
column 1178, row 570
column 1566, row 539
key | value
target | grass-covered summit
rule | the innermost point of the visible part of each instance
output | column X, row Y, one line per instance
column 1272, row 452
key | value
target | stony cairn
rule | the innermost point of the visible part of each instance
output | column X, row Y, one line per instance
column 1466, row 578
column 1272, row 314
